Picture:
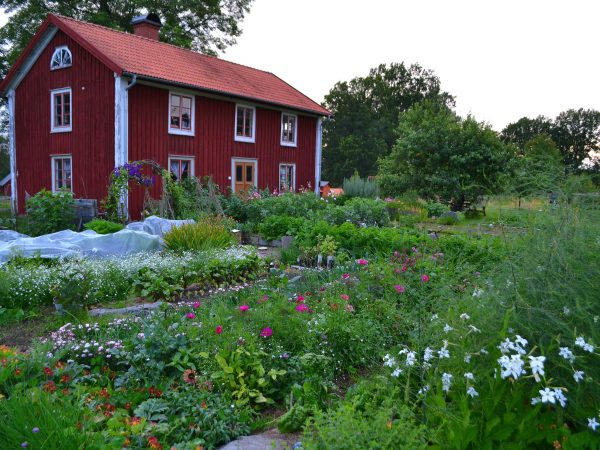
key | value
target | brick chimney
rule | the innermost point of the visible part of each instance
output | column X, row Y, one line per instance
column 147, row 25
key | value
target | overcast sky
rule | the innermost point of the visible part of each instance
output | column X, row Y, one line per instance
column 501, row 59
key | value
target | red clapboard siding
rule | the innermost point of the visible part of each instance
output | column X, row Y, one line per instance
column 213, row 145
column 91, row 141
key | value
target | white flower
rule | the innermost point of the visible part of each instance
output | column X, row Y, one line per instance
column 566, row 310
column 389, row 361
column 548, row 395
column 593, row 423
column 511, row 367
column 474, row 329
column 396, row 372
column 465, row 316
column 424, row 389
column 469, row 376
column 446, row 381
column 477, row 292
column 467, row 358
column 411, row 358
column 444, row 353
column 536, row 363
column 578, row 375
column 428, row 354
column 434, row 317
column 472, row 392
column 580, row 342
column 520, row 341
column 448, row 328
column 483, row 351
column 558, row 394
column 535, row 401
column 567, row 354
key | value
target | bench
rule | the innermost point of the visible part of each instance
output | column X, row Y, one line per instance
column 478, row 205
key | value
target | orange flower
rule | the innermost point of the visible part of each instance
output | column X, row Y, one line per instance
column 153, row 442
column 50, row 387
column 65, row 378
column 60, row 364
column 203, row 405
column 17, row 371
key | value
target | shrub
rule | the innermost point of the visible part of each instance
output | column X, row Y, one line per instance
column 274, row 227
column 209, row 233
column 356, row 186
column 50, row 212
column 449, row 218
column 102, row 226
column 367, row 211
column 296, row 205
column 436, row 209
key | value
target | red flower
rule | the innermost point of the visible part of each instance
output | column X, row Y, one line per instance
column 425, row 278
column 300, row 299
column 153, row 443
column 362, row 262
column 266, row 332
column 50, row 387
column 17, row 371
column 48, row 371
column 345, row 297
column 302, row 308
column 219, row 329
column 345, row 276
column 65, row 378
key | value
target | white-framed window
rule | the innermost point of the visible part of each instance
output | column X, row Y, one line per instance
column 181, row 167
column 61, row 58
column 245, row 123
column 289, row 129
column 61, row 110
column 181, row 113
column 287, row 177
column 62, row 173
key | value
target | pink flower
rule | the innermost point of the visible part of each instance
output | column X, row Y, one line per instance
column 197, row 305
column 404, row 268
column 190, row 315
column 399, row 289
column 244, row 308
column 322, row 289
column 265, row 298
column 345, row 297
column 219, row 329
column 302, row 308
column 362, row 262
column 424, row 278
column 300, row 299
column 266, row 332
column 345, row 276
column 349, row 308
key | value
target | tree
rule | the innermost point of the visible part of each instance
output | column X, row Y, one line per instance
column 365, row 115
column 207, row 26
column 525, row 129
column 446, row 158
column 539, row 169
column 577, row 134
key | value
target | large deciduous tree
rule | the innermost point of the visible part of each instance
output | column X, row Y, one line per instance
column 365, row 115
column 207, row 26
column 446, row 158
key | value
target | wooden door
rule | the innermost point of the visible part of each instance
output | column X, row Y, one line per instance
column 244, row 173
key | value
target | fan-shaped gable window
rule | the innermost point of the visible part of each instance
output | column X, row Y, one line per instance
column 61, row 58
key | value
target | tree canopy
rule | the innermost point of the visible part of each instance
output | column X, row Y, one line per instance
column 576, row 133
column 207, row 26
column 365, row 115
column 446, row 158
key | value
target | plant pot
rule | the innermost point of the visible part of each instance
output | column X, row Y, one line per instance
column 330, row 261
column 319, row 260
column 286, row 241
column 58, row 307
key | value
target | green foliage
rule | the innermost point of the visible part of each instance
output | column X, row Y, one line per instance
column 435, row 209
column 206, row 234
column 449, row 218
column 579, row 184
column 443, row 156
column 198, row 25
column 153, row 284
column 49, row 212
column 274, row 227
column 392, row 425
column 365, row 115
column 359, row 211
column 102, row 226
column 355, row 186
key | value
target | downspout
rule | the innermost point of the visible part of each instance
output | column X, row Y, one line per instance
column 133, row 82
column 12, row 152
column 318, row 154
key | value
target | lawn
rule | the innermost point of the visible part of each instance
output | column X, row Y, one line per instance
column 464, row 341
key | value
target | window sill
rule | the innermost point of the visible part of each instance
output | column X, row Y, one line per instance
column 181, row 132
column 61, row 130
column 288, row 144
column 249, row 140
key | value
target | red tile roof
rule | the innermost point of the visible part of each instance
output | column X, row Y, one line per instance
column 132, row 54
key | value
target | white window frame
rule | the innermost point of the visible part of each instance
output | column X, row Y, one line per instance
column 190, row 159
column 179, row 131
column 233, row 161
column 288, row 143
column 293, row 186
column 61, row 65
column 53, row 159
column 251, row 139
column 53, row 128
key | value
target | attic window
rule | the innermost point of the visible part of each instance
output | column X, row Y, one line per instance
column 61, row 58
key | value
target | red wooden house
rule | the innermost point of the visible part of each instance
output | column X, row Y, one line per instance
column 84, row 98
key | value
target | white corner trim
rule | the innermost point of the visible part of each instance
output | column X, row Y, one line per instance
column 318, row 154
column 53, row 159
column 237, row 138
column 53, row 128
column 293, row 175
column 252, row 160
column 33, row 57
column 191, row 131
column 12, row 151
column 121, row 127
column 287, row 143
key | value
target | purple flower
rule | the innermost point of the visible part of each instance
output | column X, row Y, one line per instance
column 24, row 444
column 36, row 430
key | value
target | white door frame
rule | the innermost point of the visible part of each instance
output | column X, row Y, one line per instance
column 246, row 160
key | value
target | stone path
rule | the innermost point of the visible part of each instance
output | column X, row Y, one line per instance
column 269, row 440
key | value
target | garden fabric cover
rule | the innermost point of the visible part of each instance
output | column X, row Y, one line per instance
column 136, row 237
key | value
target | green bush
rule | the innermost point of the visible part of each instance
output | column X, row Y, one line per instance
column 49, row 212
column 436, row 209
column 209, row 233
column 102, row 226
column 356, row 186
column 367, row 211
column 449, row 218
column 274, row 227
column 296, row 205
